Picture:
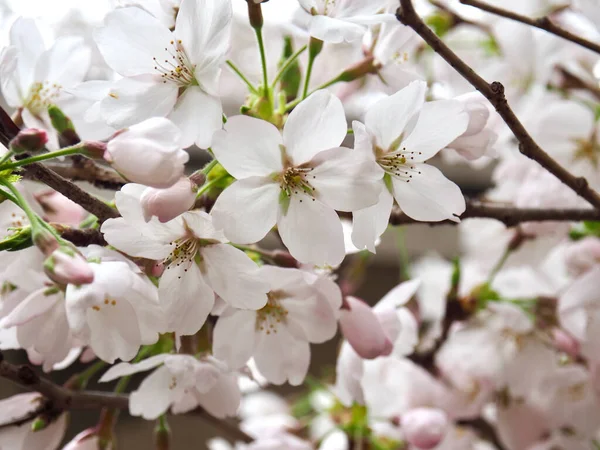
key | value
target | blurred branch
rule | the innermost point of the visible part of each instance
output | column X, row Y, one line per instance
column 60, row 398
column 84, row 169
column 494, row 92
column 508, row 215
column 80, row 237
column 543, row 23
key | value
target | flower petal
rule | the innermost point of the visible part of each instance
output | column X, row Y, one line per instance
column 429, row 196
column 345, row 179
column 317, row 123
column 280, row 357
column 312, row 231
column 439, row 123
column 370, row 223
column 247, row 209
column 223, row 400
column 125, row 369
column 387, row 119
column 234, row 276
column 335, row 31
column 248, row 147
column 234, row 337
column 153, row 397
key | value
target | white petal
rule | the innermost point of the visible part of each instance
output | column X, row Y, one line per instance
column 345, row 179
column 204, row 26
column 135, row 239
column 234, row 337
column 34, row 305
column 314, row 316
column 65, row 63
column 388, row 118
column 132, row 100
column 198, row 115
column 363, row 141
column 130, row 40
column 153, row 397
column 429, row 196
column 9, row 77
column 26, row 37
column 317, row 123
column 335, row 31
column 247, row 209
column 234, row 276
column 202, row 226
column 124, row 369
column 369, row 224
column 186, row 297
column 439, row 123
column 312, row 231
column 398, row 296
column 280, row 357
column 248, row 147
column 223, row 400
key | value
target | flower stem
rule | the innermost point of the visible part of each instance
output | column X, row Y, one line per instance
column 314, row 48
column 263, row 60
column 243, row 77
column 499, row 264
column 209, row 166
column 286, row 65
column 79, row 148
column 9, row 154
column 206, row 186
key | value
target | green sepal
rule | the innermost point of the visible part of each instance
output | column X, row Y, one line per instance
column 19, row 240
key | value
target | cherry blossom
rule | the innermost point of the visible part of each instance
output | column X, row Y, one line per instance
column 169, row 74
column 295, row 179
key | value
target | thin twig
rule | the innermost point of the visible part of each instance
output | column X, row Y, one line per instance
column 543, row 23
column 494, row 92
column 510, row 216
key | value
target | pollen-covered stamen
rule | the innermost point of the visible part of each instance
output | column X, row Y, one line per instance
column 296, row 180
column 399, row 164
column 272, row 314
column 108, row 301
column 183, row 253
column 178, row 69
column 41, row 95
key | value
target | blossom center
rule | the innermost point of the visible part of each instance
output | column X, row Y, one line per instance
column 272, row 314
column 108, row 301
column 41, row 95
column 296, row 179
column 176, row 69
column 184, row 251
column 398, row 165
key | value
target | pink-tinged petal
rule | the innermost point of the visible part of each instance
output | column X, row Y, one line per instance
column 166, row 204
column 311, row 318
column 369, row 224
column 198, row 115
column 153, row 397
column 204, row 26
column 280, row 357
column 234, row 337
column 429, row 195
column 125, row 369
column 407, row 336
column 134, row 240
column 345, row 179
column 349, row 370
column 223, row 400
column 362, row 329
column 398, row 296
column 233, row 276
column 34, row 305
column 335, row 31
column 247, row 209
column 186, row 297
column 318, row 123
column 389, row 117
column 312, row 231
column 202, row 225
column 439, row 123
column 130, row 40
column 18, row 406
column 248, row 147
column 132, row 100
column 425, row 428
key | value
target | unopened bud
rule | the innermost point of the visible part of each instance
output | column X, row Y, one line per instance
column 95, row 149
column 166, row 204
column 564, row 342
column 255, row 14
column 30, row 140
column 67, row 266
column 38, row 424
column 198, row 178
column 363, row 330
column 63, row 125
column 86, row 440
column 44, row 240
column 424, row 428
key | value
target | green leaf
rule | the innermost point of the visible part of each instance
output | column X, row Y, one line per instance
column 19, row 240
column 440, row 22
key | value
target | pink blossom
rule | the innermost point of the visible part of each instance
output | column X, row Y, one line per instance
column 166, row 204
column 425, row 428
column 67, row 266
column 58, row 208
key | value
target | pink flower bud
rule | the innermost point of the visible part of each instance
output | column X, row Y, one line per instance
column 30, row 140
column 67, row 266
column 58, row 208
column 166, row 204
column 363, row 331
column 86, row 440
column 564, row 342
column 582, row 255
column 424, row 428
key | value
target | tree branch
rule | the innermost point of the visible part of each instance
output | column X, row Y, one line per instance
column 85, row 169
column 543, row 23
column 494, row 92
column 508, row 215
column 80, row 237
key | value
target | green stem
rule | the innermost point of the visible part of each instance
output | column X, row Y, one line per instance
column 206, row 186
column 79, row 148
column 9, row 154
column 263, row 60
column 209, row 166
column 84, row 377
column 8, row 196
column 499, row 265
column 243, row 77
column 286, row 65
column 307, row 79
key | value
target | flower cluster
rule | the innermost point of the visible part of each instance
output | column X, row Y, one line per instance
column 246, row 159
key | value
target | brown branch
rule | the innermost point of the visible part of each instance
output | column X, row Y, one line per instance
column 80, row 237
column 510, row 216
column 543, row 23
column 85, row 169
column 494, row 92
